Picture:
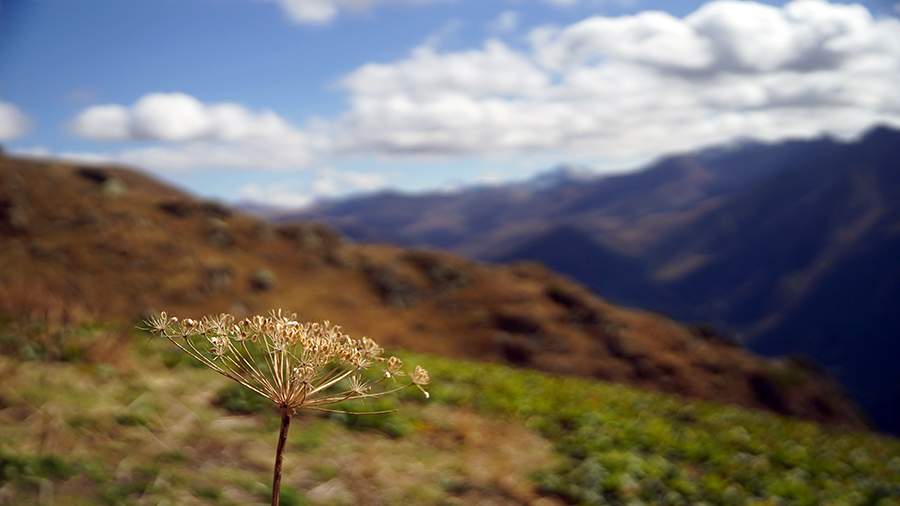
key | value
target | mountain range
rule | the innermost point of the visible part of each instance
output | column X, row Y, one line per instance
column 791, row 248
column 114, row 245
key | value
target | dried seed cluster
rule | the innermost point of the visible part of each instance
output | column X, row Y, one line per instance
column 295, row 364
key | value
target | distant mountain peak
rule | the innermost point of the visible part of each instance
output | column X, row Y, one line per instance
column 559, row 175
column 881, row 132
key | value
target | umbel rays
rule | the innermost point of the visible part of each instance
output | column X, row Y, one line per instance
column 296, row 365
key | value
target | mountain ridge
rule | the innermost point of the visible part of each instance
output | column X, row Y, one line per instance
column 117, row 244
column 741, row 237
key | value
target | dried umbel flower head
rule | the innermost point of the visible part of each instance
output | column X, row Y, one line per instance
column 295, row 364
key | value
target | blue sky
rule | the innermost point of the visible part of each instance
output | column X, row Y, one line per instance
column 279, row 100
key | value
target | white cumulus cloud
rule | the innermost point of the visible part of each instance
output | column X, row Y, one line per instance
column 617, row 88
column 637, row 86
column 13, row 122
column 191, row 134
column 104, row 123
column 494, row 69
column 177, row 117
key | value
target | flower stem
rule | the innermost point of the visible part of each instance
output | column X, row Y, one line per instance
column 279, row 452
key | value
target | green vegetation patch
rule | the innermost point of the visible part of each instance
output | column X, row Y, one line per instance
column 626, row 446
column 128, row 435
column 49, row 342
column 380, row 415
column 238, row 400
column 15, row 468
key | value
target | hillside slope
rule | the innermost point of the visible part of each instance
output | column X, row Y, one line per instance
column 805, row 262
column 121, row 419
column 116, row 244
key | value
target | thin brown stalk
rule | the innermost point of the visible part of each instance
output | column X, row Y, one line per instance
column 279, row 454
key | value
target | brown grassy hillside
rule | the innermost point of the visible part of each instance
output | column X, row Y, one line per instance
column 116, row 244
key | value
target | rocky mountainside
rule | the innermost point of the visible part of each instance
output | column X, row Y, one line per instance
column 791, row 247
column 116, row 244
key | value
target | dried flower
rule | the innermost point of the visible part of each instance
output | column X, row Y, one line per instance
column 394, row 367
column 295, row 364
column 420, row 378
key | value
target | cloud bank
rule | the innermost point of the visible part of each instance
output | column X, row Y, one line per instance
column 638, row 85
column 616, row 88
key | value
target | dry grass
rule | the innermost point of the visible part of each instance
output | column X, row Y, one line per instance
column 154, row 429
column 148, row 434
